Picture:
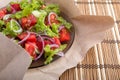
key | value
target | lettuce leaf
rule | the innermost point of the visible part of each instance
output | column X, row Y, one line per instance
column 17, row 15
column 49, row 53
column 10, row 31
column 55, row 28
column 40, row 26
column 52, row 8
column 1, row 25
column 64, row 22
column 50, row 32
column 28, row 7
column 36, row 4
column 23, row 4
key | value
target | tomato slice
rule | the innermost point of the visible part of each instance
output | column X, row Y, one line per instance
column 3, row 12
column 30, row 48
column 16, row 6
column 13, row 8
column 64, row 35
column 57, row 41
column 31, row 38
column 28, row 22
column 53, row 19
column 40, row 44
column 33, row 20
column 46, row 42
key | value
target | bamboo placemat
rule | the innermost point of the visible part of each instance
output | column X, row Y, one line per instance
column 102, row 62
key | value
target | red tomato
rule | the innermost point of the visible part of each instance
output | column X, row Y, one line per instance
column 16, row 6
column 31, row 38
column 24, row 22
column 64, row 35
column 52, row 16
column 57, row 41
column 22, row 35
column 33, row 20
column 53, row 19
column 30, row 48
column 3, row 12
column 40, row 45
column 46, row 42
column 28, row 22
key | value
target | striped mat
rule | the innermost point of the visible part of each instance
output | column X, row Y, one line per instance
column 103, row 60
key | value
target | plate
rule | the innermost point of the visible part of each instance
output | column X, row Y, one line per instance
column 40, row 62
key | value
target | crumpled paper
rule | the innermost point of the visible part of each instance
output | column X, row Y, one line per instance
column 89, row 30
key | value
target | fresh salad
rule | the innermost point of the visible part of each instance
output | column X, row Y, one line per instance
column 36, row 27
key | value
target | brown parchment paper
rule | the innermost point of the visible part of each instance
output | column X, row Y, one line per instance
column 89, row 30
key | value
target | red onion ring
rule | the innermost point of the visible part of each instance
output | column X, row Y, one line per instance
column 50, row 15
column 60, row 54
column 48, row 38
column 14, row 11
column 60, row 28
column 54, row 45
column 41, row 53
column 7, row 16
column 23, row 40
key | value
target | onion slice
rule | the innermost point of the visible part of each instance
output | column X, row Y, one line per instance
column 60, row 54
column 54, row 45
column 23, row 40
column 6, row 17
column 60, row 28
column 42, row 51
column 48, row 38
column 50, row 17
column 11, row 25
column 36, row 13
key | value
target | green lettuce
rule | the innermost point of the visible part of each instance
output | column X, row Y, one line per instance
column 1, row 25
column 55, row 28
column 17, row 15
column 52, row 8
column 64, row 22
column 28, row 7
column 50, row 32
column 49, row 53
column 10, row 31
column 40, row 26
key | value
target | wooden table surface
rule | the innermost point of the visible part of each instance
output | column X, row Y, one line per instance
column 102, row 62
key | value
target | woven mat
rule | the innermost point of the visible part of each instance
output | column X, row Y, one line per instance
column 103, row 60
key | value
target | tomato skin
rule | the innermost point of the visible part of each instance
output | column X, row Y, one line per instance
column 28, row 22
column 46, row 42
column 33, row 20
column 31, row 38
column 30, row 48
column 52, row 16
column 16, row 6
column 24, row 22
column 3, row 12
column 64, row 35
column 53, row 19
column 39, row 45
column 57, row 41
